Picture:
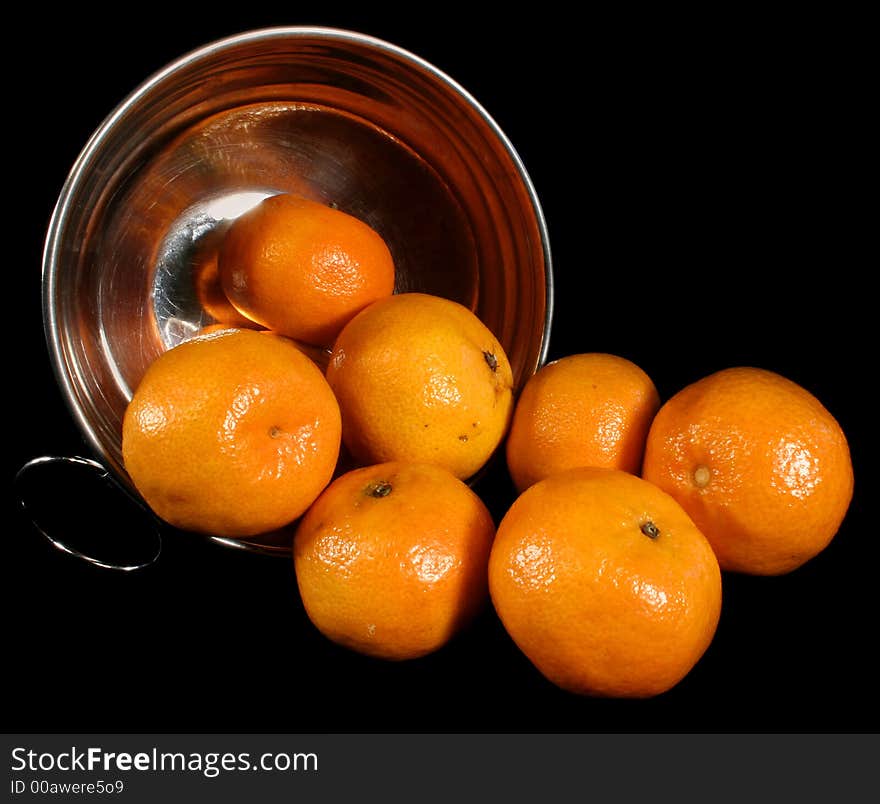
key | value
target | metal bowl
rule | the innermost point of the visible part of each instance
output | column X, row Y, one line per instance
column 333, row 115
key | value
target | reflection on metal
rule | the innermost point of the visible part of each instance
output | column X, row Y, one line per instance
column 87, row 480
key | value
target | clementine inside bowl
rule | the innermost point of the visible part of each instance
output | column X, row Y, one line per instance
column 333, row 115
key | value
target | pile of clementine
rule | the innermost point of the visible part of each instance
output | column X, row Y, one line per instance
column 351, row 417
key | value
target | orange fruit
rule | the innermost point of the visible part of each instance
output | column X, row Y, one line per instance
column 317, row 355
column 391, row 559
column 233, row 433
column 759, row 464
column 421, row 378
column 582, row 410
column 605, row 583
column 302, row 268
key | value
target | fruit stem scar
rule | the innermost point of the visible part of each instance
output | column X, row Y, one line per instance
column 702, row 475
column 491, row 360
column 275, row 431
column 650, row 530
column 378, row 488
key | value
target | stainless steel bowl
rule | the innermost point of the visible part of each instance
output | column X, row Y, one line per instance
column 334, row 115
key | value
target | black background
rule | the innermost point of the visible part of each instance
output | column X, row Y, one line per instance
column 697, row 176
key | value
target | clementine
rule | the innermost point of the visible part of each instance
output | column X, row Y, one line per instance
column 421, row 378
column 760, row 465
column 581, row 410
column 605, row 583
column 317, row 355
column 302, row 268
column 391, row 559
column 233, row 433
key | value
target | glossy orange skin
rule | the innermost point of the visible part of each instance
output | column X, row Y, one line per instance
column 303, row 269
column 598, row 606
column 318, row 356
column 391, row 559
column 233, row 433
column 421, row 378
column 589, row 409
column 760, row 465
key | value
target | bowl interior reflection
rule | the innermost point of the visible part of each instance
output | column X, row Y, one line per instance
column 130, row 261
column 167, row 221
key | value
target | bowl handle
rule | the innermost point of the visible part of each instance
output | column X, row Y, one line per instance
column 83, row 482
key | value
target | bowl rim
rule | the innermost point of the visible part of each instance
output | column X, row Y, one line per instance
column 62, row 211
